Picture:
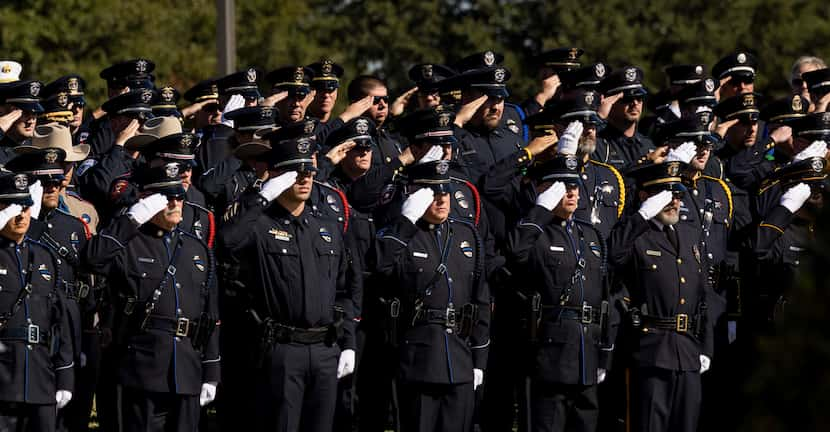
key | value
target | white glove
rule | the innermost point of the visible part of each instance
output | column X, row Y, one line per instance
column 8, row 213
column 552, row 196
column 570, row 138
column 478, row 378
column 208, row 393
column 684, row 153
column 655, row 204
column 36, row 191
column 62, row 397
column 345, row 365
column 234, row 103
column 146, row 208
column 705, row 362
column 601, row 375
column 817, row 148
column 417, row 204
column 795, row 197
column 435, row 153
column 277, row 185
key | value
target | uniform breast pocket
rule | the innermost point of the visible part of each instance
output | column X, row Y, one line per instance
column 286, row 258
column 144, row 278
column 328, row 258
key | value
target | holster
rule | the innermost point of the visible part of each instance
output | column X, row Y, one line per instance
column 124, row 320
column 469, row 317
column 701, row 319
column 390, row 313
column 534, row 308
column 335, row 332
column 604, row 324
column 204, row 330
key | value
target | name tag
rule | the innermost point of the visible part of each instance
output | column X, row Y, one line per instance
column 146, row 260
column 796, row 249
column 420, row 255
column 557, row 249
column 650, row 252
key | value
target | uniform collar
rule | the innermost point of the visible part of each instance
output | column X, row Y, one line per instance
column 282, row 215
column 424, row 225
column 154, row 231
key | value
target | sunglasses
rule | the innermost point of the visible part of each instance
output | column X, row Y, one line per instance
column 377, row 100
column 742, row 80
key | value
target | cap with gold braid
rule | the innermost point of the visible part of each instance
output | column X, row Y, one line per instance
column 10, row 71
column 656, row 177
column 326, row 75
column 293, row 79
column 743, row 107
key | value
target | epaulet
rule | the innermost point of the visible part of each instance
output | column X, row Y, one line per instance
column 621, row 205
column 463, row 222
column 346, row 209
column 76, row 195
column 767, row 185
column 725, row 189
column 476, row 196
column 198, row 206
column 211, row 222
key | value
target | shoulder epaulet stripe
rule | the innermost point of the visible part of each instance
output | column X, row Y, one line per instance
column 478, row 201
column 198, row 206
column 621, row 205
column 346, row 210
column 725, row 189
column 766, row 186
column 211, row 230
column 766, row 225
column 87, row 231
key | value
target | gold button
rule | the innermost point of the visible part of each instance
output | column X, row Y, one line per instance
column 682, row 301
column 682, row 279
column 679, row 261
column 654, row 266
column 645, row 329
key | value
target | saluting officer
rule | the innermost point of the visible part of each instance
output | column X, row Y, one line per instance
column 434, row 265
column 19, row 107
column 563, row 259
column 302, row 302
column 660, row 264
column 163, row 285
column 34, row 329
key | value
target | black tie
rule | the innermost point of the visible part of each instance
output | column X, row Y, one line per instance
column 671, row 233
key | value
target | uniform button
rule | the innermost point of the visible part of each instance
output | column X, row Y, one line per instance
column 144, row 275
column 49, row 225
column 585, row 329
column 679, row 261
column 701, row 211
column 709, row 255
column 178, row 285
column 797, row 262
column 694, row 192
column 682, row 279
column 645, row 329
column 683, row 217
column 178, row 311
column 654, row 266
column 284, row 251
column 388, row 159
column 449, row 279
column 584, row 176
column 178, row 339
column 591, row 198
column 682, row 301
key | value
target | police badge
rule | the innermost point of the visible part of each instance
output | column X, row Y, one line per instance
column 303, row 145
column 146, row 96
column 461, row 199
column 141, row 66
column 709, row 84
column 21, row 182
column 630, row 74
column 426, row 71
column 498, row 75
column 325, row 235
column 51, row 156
column 62, row 99
column 299, row 75
column 741, row 58
column 251, row 75
column 599, row 70
column 442, row 167
column 308, row 128
column 326, row 68
column 34, row 89
column 171, row 170
column 489, row 58
column 167, row 95
column 361, row 126
column 797, row 106
column 73, row 85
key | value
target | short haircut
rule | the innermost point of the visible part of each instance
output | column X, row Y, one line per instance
column 806, row 60
column 360, row 87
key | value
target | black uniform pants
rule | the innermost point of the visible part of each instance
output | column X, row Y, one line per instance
column 143, row 411
column 22, row 417
column 297, row 388
column 558, row 407
column 376, row 384
column 666, row 400
column 436, row 407
column 75, row 416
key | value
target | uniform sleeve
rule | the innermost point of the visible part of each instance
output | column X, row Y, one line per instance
column 349, row 292
column 63, row 359
column 748, row 168
column 210, row 355
column 480, row 336
column 239, row 219
column 366, row 191
column 623, row 236
column 521, row 241
column 213, row 182
column 97, row 180
column 99, row 253
column 770, row 230
column 391, row 244
column 499, row 184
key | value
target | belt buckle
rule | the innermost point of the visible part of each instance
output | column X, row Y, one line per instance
column 83, row 290
column 587, row 314
column 63, row 251
column 33, row 334
column 395, row 308
column 171, row 270
column 182, row 326
column 451, row 320
column 681, row 324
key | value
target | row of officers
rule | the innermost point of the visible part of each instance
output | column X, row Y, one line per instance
column 445, row 262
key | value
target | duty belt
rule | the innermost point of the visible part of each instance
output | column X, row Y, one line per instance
column 181, row 327
column 76, row 290
column 283, row 334
column 681, row 323
column 31, row 334
column 446, row 317
column 585, row 314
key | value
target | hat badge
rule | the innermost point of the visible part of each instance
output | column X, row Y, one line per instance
column 489, row 58
column 673, row 168
column 570, row 163
column 749, row 100
column 698, row 69
column 498, row 75
column 21, row 182
column 444, row 119
column 51, row 156
column 599, row 70
column 825, row 116
column 426, row 71
column 171, row 170
column 167, row 94
column 589, row 98
column 214, row 88
column 630, row 74
column 308, row 128
column 251, row 75
column 796, row 103
column 266, row 112
column 299, row 74
column 705, row 117
column 6, row 68
column 34, row 88
column 741, row 58
column 72, row 84
column 442, row 167
column 146, row 96
column 303, row 145
column 361, row 126
column 326, row 67
column 186, row 140
column 62, row 99
column 817, row 164
column 141, row 66
column 709, row 85
column 572, row 53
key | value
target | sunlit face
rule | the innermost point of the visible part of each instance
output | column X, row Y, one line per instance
column 742, row 134
column 439, row 210
column 170, row 216
column 380, row 105
column 17, row 226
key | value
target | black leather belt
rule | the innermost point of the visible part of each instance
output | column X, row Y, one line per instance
column 447, row 317
column 585, row 314
column 31, row 334
column 287, row 334
column 681, row 323
column 181, row 327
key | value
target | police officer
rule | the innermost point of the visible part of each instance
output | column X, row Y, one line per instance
column 163, row 280
column 433, row 264
column 817, row 83
column 660, row 263
column 736, row 73
column 570, row 334
column 301, row 297
column 369, row 96
column 73, row 86
column 427, row 78
column 34, row 329
column 325, row 83
column 165, row 102
column 550, row 65
column 19, row 107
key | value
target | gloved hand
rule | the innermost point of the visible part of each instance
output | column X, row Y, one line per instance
column 8, row 213
column 570, row 138
column 62, row 397
column 146, row 208
column 435, row 153
column 234, row 103
column 208, row 393
column 684, row 153
column 795, row 197
column 478, row 378
column 705, row 362
column 601, row 375
column 551, row 197
column 817, row 148
column 36, row 191
column 655, row 204
column 345, row 365
column 277, row 185
column 417, row 204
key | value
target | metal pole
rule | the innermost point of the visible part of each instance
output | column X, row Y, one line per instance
column 225, row 37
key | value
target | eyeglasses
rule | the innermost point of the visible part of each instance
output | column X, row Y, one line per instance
column 377, row 100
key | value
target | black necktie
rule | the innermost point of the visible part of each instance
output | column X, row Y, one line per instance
column 671, row 233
